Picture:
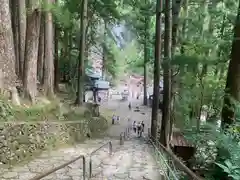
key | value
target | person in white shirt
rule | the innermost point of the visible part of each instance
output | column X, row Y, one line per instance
column 113, row 119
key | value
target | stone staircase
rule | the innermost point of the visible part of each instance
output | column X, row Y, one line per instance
column 130, row 161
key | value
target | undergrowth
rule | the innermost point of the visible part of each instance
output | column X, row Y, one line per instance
column 39, row 112
column 54, row 111
column 10, row 112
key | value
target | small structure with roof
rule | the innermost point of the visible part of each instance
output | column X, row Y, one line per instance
column 95, row 83
column 181, row 147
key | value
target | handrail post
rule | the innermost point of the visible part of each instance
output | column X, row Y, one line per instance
column 121, row 139
column 84, row 167
column 90, row 167
column 110, row 147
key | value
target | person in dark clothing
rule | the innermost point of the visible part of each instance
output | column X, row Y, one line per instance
column 99, row 99
column 88, row 135
column 113, row 119
column 139, row 129
column 134, row 127
column 118, row 119
column 129, row 106
column 142, row 126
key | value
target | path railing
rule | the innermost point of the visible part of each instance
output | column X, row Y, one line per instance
column 94, row 152
column 38, row 177
column 174, row 168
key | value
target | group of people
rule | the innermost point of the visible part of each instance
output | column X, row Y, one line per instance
column 115, row 119
column 138, row 128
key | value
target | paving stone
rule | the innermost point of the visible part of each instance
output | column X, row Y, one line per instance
column 21, row 169
column 10, row 175
column 49, row 177
column 121, row 175
column 26, row 175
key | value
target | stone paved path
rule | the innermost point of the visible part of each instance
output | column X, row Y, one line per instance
column 131, row 161
column 121, row 108
column 51, row 159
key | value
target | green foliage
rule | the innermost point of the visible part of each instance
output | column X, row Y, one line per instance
column 9, row 112
column 5, row 109
column 37, row 113
column 61, row 12
column 232, row 170
column 67, row 17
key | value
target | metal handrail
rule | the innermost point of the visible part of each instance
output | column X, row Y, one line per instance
column 92, row 153
column 176, row 160
column 164, row 160
column 38, row 177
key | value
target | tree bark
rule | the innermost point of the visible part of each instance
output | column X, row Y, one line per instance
column 184, row 27
column 219, row 51
column 146, row 56
column 7, row 54
column 49, row 58
column 22, row 34
column 56, row 60
column 15, row 27
column 80, row 88
column 157, row 60
column 64, row 55
column 166, row 113
column 72, row 69
column 41, row 53
column 104, row 50
column 232, row 90
column 31, row 50
column 175, row 14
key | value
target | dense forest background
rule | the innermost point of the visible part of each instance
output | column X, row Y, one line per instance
column 193, row 46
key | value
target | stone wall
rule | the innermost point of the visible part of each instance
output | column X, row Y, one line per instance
column 19, row 141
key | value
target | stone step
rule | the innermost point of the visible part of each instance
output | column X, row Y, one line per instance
column 130, row 161
column 53, row 158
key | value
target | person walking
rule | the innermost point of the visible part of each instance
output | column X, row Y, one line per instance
column 139, row 129
column 142, row 126
column 134, row 127
column 118, row 119
column 113, row 119
column 129, row 106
